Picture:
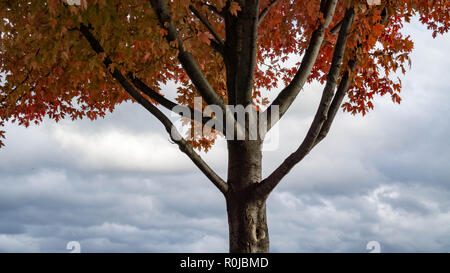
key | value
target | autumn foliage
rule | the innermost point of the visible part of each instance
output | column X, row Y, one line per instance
column 49, row 69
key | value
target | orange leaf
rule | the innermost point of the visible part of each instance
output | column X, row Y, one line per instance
column 205, row 37
column 234, row 8
column 147, row 56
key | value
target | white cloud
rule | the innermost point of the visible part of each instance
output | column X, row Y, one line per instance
column 18, row 243
column 120, row 150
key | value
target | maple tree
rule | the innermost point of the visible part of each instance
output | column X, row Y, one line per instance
column 72, row 61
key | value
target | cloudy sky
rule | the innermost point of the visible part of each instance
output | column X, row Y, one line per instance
column 119, row 185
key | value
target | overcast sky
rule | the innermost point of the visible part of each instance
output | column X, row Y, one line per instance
column 119, row 185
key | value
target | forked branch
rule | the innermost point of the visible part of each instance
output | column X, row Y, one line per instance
column 266, row 10
column 268, row 184
column 172, row 106
column 186, row 59
column 175, row 136
column 210, row 28
column 287, row 96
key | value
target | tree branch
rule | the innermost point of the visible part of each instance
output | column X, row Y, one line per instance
column 240, row 52
column 268, row 184
column 287, row 96
column 175, row 136
column 336, row 103
column 384, row 17
column 208, row 26
column 186, row 59
column 337, row 27
column 217, row 47
column 214, row 9
column 343, row 86
column 170, row 105
column 265, row 11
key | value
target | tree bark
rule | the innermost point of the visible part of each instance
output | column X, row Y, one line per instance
column 247, row 223
column 248, row 232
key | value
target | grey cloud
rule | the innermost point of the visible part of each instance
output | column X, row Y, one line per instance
column 110, row 213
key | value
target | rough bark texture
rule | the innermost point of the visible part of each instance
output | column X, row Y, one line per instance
column 247, row 222
column 247, row 219
column 246, row 212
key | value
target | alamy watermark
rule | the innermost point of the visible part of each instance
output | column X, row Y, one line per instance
column 374, row 247
column 74, row 2
column 236, row 122
column 374, row 2
column 74, row 247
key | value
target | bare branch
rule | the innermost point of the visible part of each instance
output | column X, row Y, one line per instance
column 287, row 96
column 170, row 105
column 337, row 27
column 384, row 16
column 266, row 10
column 337, row 101
column 343, row 86
column 241, row 48
column 186, row 59
column 268, row 184
column 175, row 136
column 217, row 47
column 144, row 88
column 214, row 9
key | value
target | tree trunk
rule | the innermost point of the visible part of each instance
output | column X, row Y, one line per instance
column 247, row 219
column 247, row 224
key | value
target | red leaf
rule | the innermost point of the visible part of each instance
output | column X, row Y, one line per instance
column 205, row 37
column 234, row 8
